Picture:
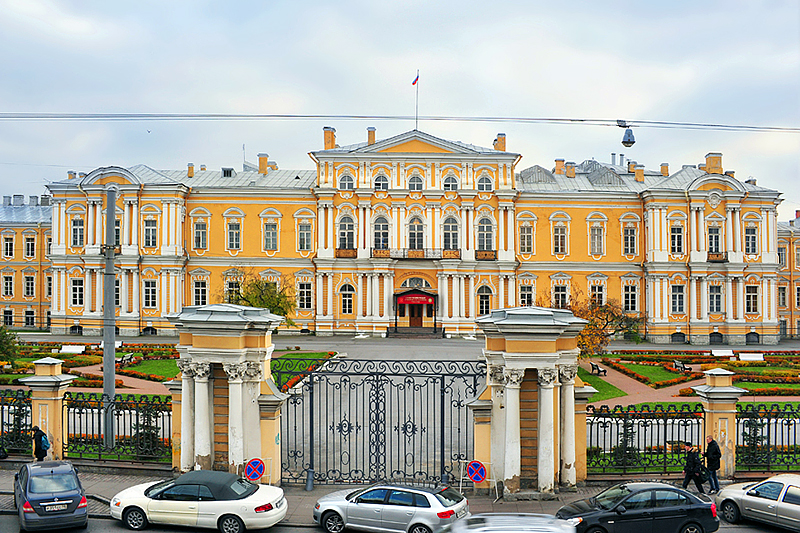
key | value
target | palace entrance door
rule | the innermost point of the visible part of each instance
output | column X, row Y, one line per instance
column 415, row 315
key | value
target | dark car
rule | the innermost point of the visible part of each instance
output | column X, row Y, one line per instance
column 49, row 495
column 637, row 507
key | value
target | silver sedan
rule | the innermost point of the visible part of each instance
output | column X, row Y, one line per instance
column 775, row 501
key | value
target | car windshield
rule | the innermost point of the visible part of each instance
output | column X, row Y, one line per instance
column 158, row 487
column 449, row 497
column 53, row 483
column 612, row 496
column 243, row 488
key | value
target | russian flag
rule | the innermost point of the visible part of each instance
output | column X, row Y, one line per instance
column 415, row 79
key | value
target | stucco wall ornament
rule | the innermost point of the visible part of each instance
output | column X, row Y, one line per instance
column 496, row 375
column 714, row 199
column 253, row 372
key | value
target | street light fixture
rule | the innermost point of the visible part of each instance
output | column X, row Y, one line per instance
column 627, row 138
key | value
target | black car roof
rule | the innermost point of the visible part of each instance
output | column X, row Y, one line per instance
column 219, row 483
column 50, row 467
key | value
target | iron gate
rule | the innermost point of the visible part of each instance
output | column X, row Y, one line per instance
column 357, row 421
column 15, row 421
column 767, row 437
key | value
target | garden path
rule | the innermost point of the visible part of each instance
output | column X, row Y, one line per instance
column 133, row 385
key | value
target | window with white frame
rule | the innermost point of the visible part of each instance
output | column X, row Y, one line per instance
column 526, row 295
column 597, row 294
column 304, row 300
column 714, row 240
column 630, row 298
column 629, row 241
column 234, row 235
column 30, row 318
column 77, row 292
column 49, row 244
column 797, row 297
column 381, row 233
column 304, row 237
column 381, row 183
column 8, row 285
column 8, row 317
column 233, row 291
column 415, row 183
column 715, row 298
column 485, row 234
column 559, row 239
column 560, row 300
column 450, row 233
column 678, row 300
column 781, row 296
column 751, row 299
column 117, row 232
column 200, row 235
column 526, row 239
column 346, row 183
column 8, row 247
column 200, row 292
column 484, row 300
column 751, row 240
column 347, row 299
column 30, row 247
column 116, row 292
column 596, row 240
column 782, row 256
column 150, row 294
column 484, row 184
column 797, row 258
column 270, row 236
column 415, row 234
column 346, row 233
column 29, row 289
column 49, row 285
column 150, row 233
column 676, row 240
column 450, row 183
column 77, row 231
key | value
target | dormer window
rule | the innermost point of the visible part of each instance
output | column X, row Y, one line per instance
column 227, row 172
column 346, row 183
column 415, row 183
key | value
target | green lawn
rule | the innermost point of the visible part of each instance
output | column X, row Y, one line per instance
column 750, row 385
column 605, row 391
column 654, row 373
column 159, row 367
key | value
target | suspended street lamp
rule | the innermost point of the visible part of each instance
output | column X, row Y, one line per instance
column 627, row 138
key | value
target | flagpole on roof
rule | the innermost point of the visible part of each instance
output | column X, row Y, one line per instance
column 416, row 107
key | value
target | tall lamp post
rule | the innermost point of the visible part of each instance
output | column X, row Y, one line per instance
column 109, row 322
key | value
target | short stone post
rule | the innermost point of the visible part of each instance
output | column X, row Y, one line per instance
column 174, row 388
column 47, row 402
column 582, row 394
column 719, row 398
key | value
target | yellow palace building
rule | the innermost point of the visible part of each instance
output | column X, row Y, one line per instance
column 415, row 231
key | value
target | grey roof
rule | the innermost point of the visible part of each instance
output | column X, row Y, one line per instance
column 25, row 214
column 276, row 179
column 411, row 135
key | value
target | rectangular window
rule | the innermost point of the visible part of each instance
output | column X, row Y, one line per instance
column 347, row 303
column 232, row 291
column 596, row 237
column 8, row 317
column 48, row 318
column 8, row 246
column 797, row 298
column 8, row 285
column 678, row 307
column 150, row 293
column 49, row 289
column 526, row 239
column 304, row 295
column 713, row 240
column 715, row 299
column 797, row 257
column 29, row 291
column 676, row 240
column 559, row 240
column 49, row 245
column 117, row 232
column 234, row 236
column 30, row 318
column 629, row 241
column 200, row 236
column 751, row 299
column 304, row 237
column 560, row 296
column 782, row 256
column 200, row 292
column 116, row 292
column 77, row 292
column 150, row 233
column 526, row 295
column 750, row 240
column 30, row 247
column 484, row 304
column 77, row 232
column 782, row 296
column 630, row 298
column 598, row 295
column 270, row 236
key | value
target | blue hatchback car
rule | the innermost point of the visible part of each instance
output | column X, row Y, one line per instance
column 49, row 495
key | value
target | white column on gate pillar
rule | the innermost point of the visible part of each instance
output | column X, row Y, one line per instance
column 253, row 376
column 202, row 415
column 546, row 437
column 567, row 375
column 187, row 414
column 512, row 464
column 235, row 372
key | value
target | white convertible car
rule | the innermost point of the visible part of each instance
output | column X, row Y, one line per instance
column 202, row 498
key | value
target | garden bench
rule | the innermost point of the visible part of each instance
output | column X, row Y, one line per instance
column 125, row 359
column 680, row 366
column 597, row 370
column 722, row 353
column 751, row 357
column 117, row 344
column 73, row 348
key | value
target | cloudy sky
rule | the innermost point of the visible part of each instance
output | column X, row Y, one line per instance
column 722, row 62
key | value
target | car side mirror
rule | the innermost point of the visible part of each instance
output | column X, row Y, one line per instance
column 621, row 509
column 753, row 492
column 16, row 476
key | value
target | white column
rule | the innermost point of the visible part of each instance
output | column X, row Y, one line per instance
column 445, row 281
column 650, row 228
column 360, row 235
column 387, row 295
column 402, row 234
column 164, row 225
column 463, row 307
column 359, row 298
column 765, row 307
column 98, row 221
column 320, row 228
column 63, row 227
column 740, row 291
column 368, row 240
column 651, row 302
column 126, row 224
column 502, row 292
column 163, row 290
column 135, row 224
column 330, row 228
column 55, row 224
column 135, row 291
column 692, row 298
column 567, row 375
column 512, row 468
column 737, row 233
column 666, row 297
column 773, row 294
column 501, row 230
column 512, row 291
column 728, row 299
column 546, row 438
column 235, row 371
column 512, row 231
column 330, row 294
column 703, row 299
column 691, row 230
column 394, row 235
column 701, row 229
column 90, row 223
column 202, row 412
column 729, row 230
column 187, row 415
column 62, row 296
column 429, row 228
column 764, row 247
column 375, row 296
column 87, row 291
column 473, row 305
column 123, row 292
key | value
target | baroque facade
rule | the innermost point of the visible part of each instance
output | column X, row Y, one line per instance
column 418, row 231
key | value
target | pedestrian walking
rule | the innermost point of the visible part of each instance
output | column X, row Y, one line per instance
column 712, row 455
column 691, row 471
column 39, row 446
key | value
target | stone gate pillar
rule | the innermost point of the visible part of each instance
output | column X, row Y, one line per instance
column 47, row 402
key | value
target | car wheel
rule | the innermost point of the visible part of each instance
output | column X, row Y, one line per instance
column 332, row 522
column 419, row 528
column 596, row 530
column 730, row 512
column 231, row 524
column 692, row 528
column 134, row 518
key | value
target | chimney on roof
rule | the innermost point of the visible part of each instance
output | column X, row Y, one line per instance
column 731, row 173
column 559, row 166
column 797, row 213
column 190, row 170
column 613, row 158
column 751, row 180
column 665, row 169
column 45, row 200
column 329, row 135
column 81, row 175
column 370, row 135
column 33, row 200
column 713, row 163
column 500, row 142
column 621, row 159
column 71, row 174
column 638, row 173
column 202, row 167
column 6, row 201
column 263, row 163
column 19, row 199
column 570, row 169
column 631, row 165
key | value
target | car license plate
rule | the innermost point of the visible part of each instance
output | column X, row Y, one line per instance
column 462, row 512
column 56, row 507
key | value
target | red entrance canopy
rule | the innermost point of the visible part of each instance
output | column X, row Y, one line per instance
column 414, row 299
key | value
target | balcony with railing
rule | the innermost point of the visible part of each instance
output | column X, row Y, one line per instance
column 717, row 257
column 415, row 253
column 346, row 253
column 486, row 255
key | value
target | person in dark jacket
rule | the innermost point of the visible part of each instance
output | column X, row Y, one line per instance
column 712, row 455
column 38, row 451
column 692, row 469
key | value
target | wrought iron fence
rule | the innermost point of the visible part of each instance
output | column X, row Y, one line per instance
column 15, row 421
column 354, row 421
column 142, row 427
column 767, row 437
column 641, row 439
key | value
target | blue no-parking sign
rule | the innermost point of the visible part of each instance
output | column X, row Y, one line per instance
column 254, row 469
column 476, row 471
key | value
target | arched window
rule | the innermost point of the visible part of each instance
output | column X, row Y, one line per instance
column 415, row 234
column 484, row 300
column 450, row 234
column 346, row 239
column 485, row 237
column 381, row 183
column 485, row 184
column 346, row 182
column 381, row 228
column 450, row 183
column 347, row 299
column 415, row 183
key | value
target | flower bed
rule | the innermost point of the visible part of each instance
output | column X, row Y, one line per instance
column 682, row 378
column 140, row 375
